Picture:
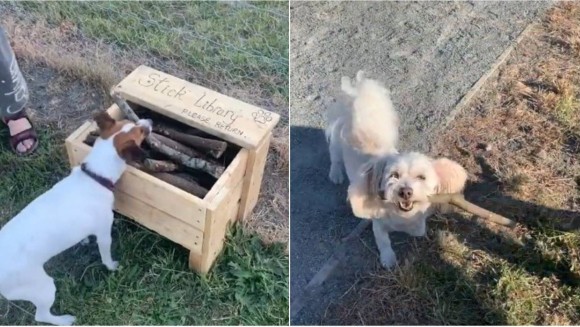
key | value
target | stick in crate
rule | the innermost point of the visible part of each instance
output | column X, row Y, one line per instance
column 215, row 148
column 148, row 165
column 155, row 143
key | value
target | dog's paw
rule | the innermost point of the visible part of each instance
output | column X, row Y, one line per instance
column 65, row 320
column 388, row 259
column 335, row 175
column 85, row 241
column 114, row 265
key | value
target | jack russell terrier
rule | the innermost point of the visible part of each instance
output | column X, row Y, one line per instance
column 78, row 206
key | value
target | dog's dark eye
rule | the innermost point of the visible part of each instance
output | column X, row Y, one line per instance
column 394, row 175
column 421, row 177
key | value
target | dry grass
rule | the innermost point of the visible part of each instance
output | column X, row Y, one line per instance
column 281, row 146
column 100, row 66
column 520, row 142
column 57, row 48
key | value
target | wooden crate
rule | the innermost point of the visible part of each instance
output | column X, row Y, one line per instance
column 197, row 224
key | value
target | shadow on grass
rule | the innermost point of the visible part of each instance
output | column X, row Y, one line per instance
column 534, row 217
column 492, row 281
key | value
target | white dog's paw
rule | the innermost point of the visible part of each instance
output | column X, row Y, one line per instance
column 335, row 175
column 65, row 320
column 112, row 266
column 388, row 259
column 85, row 241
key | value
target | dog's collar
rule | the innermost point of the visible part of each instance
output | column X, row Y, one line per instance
column 99, row 179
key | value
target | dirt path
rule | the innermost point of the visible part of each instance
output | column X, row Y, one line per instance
column 429, row 54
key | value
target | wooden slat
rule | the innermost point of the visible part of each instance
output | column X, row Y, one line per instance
column 115, row 112
column 75, row 155
column 253, row 179
column 231, row 177
column 163, row 196
column 159, row 222
column 197, row 106
column 224, row 211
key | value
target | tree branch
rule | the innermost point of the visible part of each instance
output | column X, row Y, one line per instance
column 184, row 184
column 459, row 201
column 215, row 148
column 155, row 166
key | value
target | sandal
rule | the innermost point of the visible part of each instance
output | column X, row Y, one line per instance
column 27, row 134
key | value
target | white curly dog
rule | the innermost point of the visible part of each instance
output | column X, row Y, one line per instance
column 389, row 187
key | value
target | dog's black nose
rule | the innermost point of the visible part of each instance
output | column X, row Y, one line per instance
column 405, row 192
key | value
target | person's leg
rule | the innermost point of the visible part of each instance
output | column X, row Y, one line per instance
column 13, row 98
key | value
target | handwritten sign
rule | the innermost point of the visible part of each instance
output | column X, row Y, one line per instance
column 210, row 111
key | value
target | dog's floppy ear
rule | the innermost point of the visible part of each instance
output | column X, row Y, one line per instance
column 366, row 192
column 130, row 151
column 452, row 177
column 373, row 175
column 104, row 121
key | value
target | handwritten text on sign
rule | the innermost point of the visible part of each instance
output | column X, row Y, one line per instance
column 202, row 105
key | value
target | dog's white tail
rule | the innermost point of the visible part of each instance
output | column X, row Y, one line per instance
column 372, row 124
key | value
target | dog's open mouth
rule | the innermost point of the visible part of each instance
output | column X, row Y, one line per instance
column 406, row 205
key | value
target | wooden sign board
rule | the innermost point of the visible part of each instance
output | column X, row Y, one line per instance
column 212, row 112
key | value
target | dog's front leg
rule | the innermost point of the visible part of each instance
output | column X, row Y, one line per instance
column 104, row 241
column 387, row 255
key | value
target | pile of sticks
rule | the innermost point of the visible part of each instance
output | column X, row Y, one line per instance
column 180, row 155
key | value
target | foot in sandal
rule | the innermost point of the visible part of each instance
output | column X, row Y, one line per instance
column 23, row 138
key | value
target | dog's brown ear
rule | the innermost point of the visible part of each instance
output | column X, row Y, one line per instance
column 364, row 194
column 452, row 177
column 104, row 121
column 130, row 151
column 373, row 174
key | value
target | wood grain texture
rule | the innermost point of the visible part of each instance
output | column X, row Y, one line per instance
column 253, row 177
column 212, row 112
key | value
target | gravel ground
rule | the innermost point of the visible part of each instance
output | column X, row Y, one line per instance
column 429, row 55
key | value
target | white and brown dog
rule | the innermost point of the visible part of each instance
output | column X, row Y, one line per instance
column 76, row 207
column 389, row 187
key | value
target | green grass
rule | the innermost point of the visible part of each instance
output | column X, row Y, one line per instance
column 240, row 43
column 567, row 111
column 455, row 281
column 248, row 286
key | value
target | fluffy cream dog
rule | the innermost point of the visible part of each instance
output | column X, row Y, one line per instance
column 76, row 207
column 386, row 186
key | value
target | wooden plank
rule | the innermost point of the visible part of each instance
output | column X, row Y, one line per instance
column 219, row 217
column 253, row 179
column 148, row 189
column 231, row 177
column 115, row 112
column 197, row 106
column 159, row 222
column 163, row 196
column 75, row 148
column 74, row 154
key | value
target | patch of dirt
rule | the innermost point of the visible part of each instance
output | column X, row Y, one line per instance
column 519, row 142
column 58, row 100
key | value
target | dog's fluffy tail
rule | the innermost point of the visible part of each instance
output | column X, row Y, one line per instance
column 369, row 123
